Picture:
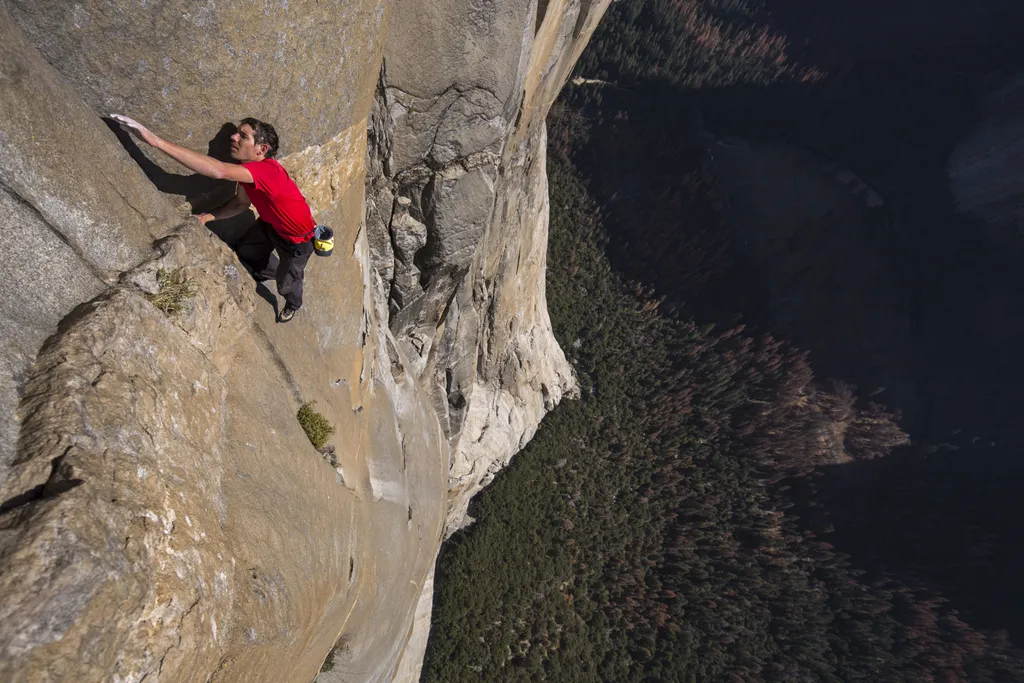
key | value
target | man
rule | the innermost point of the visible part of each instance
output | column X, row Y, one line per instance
column 286, row 222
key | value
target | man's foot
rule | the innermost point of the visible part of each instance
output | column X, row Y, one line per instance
column 286, row 314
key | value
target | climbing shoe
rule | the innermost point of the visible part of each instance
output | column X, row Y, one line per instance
column 286, row 314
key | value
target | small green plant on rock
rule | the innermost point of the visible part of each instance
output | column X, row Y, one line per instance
column 341, row 649
column 175, row 291
column 317, row 428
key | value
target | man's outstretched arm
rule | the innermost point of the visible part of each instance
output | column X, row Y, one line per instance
column 200, row 163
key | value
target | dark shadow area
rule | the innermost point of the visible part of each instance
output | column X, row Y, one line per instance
column 264, row 292
column 55, row 485
column 201, row 192
column 926, row 310
column 892, row 33
column 647, row 162
column 950, row 519
column 39, row 493
column 231, row 230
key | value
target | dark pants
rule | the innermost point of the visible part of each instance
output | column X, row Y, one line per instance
column 256, row 250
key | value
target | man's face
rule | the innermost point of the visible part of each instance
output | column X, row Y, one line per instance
column 244, row 147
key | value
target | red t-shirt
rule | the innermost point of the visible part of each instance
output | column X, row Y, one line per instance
column 279, row 201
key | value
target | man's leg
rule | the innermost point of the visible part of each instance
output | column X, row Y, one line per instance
column 256, row 250
column 291, row 271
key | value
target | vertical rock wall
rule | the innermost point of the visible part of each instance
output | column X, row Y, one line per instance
column 457, row 215
column 186, row 67
column 163, row 515
column 74, row 212
column 457, row 219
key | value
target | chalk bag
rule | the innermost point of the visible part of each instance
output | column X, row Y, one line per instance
column 323, row 241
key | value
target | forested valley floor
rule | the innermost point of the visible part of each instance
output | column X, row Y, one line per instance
column 670, row 525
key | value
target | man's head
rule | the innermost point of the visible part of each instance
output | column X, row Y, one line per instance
column 254, row 141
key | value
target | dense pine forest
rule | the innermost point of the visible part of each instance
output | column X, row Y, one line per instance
column 682, row 521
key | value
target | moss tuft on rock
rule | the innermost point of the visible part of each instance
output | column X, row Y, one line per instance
column 175, row 293
column 341, row 648
column 317, row 428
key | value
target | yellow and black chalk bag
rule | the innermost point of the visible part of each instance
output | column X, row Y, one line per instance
column 323, row 241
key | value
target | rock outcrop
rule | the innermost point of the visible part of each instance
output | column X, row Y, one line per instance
column 163, row 515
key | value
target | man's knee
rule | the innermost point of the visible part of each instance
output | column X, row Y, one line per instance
column 290, row 271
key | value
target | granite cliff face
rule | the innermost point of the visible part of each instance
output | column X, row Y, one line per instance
column 164, row 516
column 457, row 216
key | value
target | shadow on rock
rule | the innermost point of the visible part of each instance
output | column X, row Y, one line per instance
column 267, row 295
column 200, row 192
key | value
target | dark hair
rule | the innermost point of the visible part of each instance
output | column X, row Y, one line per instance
column 263, row 134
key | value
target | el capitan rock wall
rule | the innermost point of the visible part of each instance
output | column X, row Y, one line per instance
column 164, row 515
column 457, row 215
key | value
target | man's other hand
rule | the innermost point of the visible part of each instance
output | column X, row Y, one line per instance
column 205, row 218
column 137, row 129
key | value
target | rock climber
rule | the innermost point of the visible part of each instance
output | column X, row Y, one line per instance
column 286, row 222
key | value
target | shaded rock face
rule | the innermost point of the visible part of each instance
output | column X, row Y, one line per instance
column 985, row 170
column 806, row 224
column 163, row 515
